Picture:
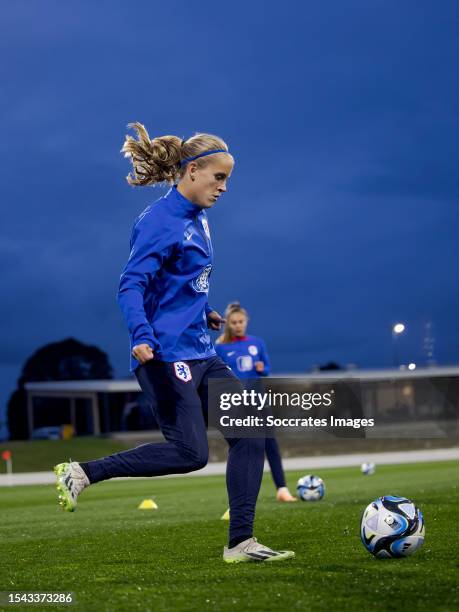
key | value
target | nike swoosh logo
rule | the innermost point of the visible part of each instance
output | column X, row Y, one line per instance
column 231, row 353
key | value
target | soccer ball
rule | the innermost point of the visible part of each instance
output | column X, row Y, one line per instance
column 310, row 488
column 368, row 468
column 392, row 527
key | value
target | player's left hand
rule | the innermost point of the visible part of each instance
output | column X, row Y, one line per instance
column 259, row 366
column 214, row 320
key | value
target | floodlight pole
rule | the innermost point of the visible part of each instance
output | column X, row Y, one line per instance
column 397, row 330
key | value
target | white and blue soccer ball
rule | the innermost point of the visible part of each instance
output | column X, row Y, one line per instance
column 310, row 488
column 392, row 527
column 368, row 468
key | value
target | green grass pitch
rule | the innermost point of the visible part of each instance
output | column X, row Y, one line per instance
column 115, row 557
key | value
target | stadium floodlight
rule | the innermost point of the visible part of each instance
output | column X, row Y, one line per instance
column 397, row 329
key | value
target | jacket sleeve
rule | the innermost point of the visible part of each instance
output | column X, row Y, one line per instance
column 149, row 249
column 265, row 359
column 208, row 309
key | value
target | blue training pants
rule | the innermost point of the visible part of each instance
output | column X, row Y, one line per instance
column 275, row 462
column 180, row 405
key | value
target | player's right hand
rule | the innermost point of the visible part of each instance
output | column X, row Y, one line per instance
column 143, row 353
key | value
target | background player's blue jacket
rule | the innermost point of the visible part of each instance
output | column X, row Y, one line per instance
column 241, row 355
column 164, row 285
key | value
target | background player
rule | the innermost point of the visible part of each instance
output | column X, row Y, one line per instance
column 248, row 358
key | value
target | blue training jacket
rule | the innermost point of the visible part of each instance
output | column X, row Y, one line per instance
column 241, row 355
column 164, row 285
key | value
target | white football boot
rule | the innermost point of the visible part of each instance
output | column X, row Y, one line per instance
column 251, row 550
column 71, row 480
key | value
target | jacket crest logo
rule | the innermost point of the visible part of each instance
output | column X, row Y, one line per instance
column 201, row 283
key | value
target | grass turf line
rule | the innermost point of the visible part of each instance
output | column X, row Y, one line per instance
column 41, row 455
column 115, row 557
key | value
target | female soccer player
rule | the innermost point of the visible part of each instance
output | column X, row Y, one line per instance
column 163, row 296
column 248, row 358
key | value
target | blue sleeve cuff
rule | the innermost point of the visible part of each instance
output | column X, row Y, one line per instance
column 145, row 336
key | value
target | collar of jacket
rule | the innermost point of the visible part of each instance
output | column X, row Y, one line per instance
column 180, row 204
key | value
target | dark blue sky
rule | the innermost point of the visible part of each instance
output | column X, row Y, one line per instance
column 342, row 213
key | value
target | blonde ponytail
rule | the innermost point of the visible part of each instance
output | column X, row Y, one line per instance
column 158, row 160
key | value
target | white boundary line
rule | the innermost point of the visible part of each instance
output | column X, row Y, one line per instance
column 293, row 463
